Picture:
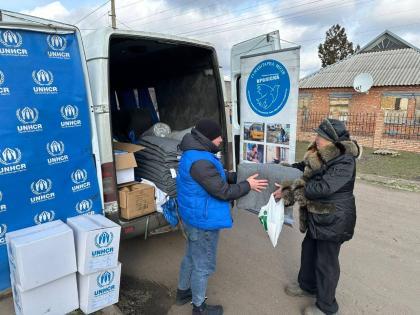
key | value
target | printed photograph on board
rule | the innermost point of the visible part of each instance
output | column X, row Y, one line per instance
column 254, row 131
column 276, row 154
column 278, row 133
column 254, row 152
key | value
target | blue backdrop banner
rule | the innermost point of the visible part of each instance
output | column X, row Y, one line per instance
column 47, row 169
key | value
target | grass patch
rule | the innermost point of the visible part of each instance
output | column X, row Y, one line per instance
column 405, row 166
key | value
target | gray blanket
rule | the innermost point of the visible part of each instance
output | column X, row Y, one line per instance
column 273, row 172
column 164, row 146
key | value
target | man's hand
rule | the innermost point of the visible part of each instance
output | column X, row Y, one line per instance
column 278, row 194
column 257, row 184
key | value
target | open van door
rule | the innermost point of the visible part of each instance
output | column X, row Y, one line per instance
column 260, row 44
column 265, row 100
column 49, row 155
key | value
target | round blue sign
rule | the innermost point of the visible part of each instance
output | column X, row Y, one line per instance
column 268, row 88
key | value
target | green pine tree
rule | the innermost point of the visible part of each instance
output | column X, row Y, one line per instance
column 336, row 46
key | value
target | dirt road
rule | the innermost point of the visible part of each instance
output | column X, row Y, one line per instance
column 380, row 266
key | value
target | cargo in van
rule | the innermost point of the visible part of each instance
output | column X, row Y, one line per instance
column 139, row 79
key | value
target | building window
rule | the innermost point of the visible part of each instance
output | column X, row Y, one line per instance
column 395, row 107
column 339, row 107
column 417, row 111
column 398, row 103
column 304, row 100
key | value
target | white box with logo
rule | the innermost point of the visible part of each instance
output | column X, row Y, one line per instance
column 41, row 254
column 99, row 289
column 97, row 242
column 56, row 297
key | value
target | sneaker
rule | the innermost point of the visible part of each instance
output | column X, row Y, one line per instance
column 205, row 309
column 295, row 290
column 183, row 296
column 314, row 310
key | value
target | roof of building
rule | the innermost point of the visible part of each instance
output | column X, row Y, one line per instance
column 388, row 58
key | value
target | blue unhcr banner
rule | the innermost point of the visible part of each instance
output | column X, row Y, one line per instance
column 47, row 169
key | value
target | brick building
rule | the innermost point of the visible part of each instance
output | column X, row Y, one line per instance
column 388, row 116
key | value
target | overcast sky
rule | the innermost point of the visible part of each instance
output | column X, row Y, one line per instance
column 225, row 23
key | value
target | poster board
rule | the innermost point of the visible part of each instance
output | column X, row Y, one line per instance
column 269, row 102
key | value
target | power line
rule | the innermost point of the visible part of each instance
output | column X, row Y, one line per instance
column 159, row 12
column 240, row 19
column 93, row 11
column 263, row 22
column 129, row 4
column 200, row 30
column 209, row 18
column 129, row 27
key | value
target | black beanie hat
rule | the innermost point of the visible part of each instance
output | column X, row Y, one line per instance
column 209, row 129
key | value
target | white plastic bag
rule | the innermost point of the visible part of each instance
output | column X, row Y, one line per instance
column 272, row 218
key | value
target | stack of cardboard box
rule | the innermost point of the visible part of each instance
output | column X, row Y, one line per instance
column 43, row 269
column 97, row 245
column 136, row 199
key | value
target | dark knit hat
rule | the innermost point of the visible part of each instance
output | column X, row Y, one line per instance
column 209, row 129
column 333, row 130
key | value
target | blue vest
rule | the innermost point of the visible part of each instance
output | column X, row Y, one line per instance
column 196, row 206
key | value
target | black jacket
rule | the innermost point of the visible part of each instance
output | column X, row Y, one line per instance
column 206, row 174
column 334, row 184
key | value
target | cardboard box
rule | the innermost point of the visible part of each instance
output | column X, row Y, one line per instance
column 56, row 297
column 125, row 161
column 41, row 254
column 136, row 200
column 97, row 242
column 99, row 290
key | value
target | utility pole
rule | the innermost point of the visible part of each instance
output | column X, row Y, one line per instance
column 113, row 15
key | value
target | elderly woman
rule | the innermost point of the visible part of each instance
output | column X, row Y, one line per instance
column 327, row 212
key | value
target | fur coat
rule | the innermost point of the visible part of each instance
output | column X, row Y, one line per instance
column 314, row 163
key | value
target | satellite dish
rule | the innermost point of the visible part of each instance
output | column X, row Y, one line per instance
column 363, row 82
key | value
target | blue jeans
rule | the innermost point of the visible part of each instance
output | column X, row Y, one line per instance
column 199, row 262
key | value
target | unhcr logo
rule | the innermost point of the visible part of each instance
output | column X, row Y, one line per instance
column 105, row 278
column 56, row 150
column 12, row 42
column 42, row 186
column 44, row 79
column 79, row 178
column 104, row 239
column 28, row 117
column 104, row 281
column 11, row 39
column 42, row 190
column 4, row 90
column 3, row 231
column 84, row 207
column 58, row 44
column 10, row 158
column 44, row 217
column 70, row 114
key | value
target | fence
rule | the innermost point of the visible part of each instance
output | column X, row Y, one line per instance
column 382, row 129
column 401, row 126
column 358, row 124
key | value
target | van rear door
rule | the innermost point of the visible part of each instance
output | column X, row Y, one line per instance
column 49, row 151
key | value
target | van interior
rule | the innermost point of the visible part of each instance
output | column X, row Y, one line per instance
column 154, row 80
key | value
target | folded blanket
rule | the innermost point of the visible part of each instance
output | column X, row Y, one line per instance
column 274, row 173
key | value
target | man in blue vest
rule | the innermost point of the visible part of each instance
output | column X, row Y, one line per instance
column 204, row 190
